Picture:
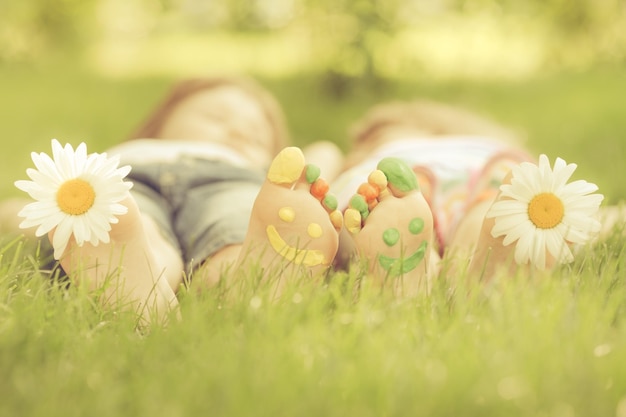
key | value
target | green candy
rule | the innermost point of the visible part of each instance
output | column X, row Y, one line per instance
column 399, row 174
column 399, row 266
column 416, row 225
column 330, row 201
column 358, row 203
column 391, row 236
column 312, row 173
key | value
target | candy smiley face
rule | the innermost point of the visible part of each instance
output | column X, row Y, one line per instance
column 306, row 257
column 402, row 265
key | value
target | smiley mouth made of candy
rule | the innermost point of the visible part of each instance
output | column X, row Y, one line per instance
column 398, row 266
column 307, row 257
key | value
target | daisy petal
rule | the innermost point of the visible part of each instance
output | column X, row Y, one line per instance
column 523, row 249
column 562, row 173
column 96, row 175
column 49, row 223
column 538, row 250
column 536, row 234
column 61, row 237
column 506, row 208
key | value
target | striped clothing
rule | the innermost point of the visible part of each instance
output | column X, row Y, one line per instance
column 454, row 161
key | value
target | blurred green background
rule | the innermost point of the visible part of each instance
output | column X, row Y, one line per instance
column 90, row 70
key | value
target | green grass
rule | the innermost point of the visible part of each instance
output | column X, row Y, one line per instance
column 545, row 345
column 540, row 345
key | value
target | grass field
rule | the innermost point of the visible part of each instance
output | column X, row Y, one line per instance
column 542, row 345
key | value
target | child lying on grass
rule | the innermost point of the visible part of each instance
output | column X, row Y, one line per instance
column 198, row 165
column 457, row 208
column 420, row 182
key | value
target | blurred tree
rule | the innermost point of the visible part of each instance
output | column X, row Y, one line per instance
column 349, row 39
column 595, row 29
column 353, row 32
column 580, row 30
column 243, row 16
column 30, row 28
column 235, row 15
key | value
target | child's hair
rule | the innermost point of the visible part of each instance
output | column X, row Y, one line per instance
column 152, row 126
column 429, row 117
column 419, row 118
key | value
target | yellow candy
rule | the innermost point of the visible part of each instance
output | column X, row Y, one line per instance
column 309, row 257
column 352, row 220
column 378, row 178
column 287, row 166
column 287, row 214
column 336, row 219
column 314, row 230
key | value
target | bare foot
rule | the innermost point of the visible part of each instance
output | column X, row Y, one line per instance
column 471, row 237
column 294, row 222
column 132, row 270
column 537, row 219
column 392, row 227
column 491, row 256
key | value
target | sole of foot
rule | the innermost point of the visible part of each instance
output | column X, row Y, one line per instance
column 130, row 272
column 294, row 222
column 391, row 225
column 492, row 257
column 471, row 237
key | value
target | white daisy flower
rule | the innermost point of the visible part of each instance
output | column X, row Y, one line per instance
column 76, row 193
column 541, row 212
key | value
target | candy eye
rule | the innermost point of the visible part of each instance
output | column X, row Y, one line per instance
column 416, row 226
column 392, row 235
column 314, row 230
column 287, row 214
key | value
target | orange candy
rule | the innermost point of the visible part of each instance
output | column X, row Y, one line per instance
column 368, row 191
column 319, row 188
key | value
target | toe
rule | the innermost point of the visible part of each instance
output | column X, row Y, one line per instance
column 287, row 167
column 352, row 219
column 289, row 170
column 400, row 177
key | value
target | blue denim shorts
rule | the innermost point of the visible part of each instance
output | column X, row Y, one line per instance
column 200, row 206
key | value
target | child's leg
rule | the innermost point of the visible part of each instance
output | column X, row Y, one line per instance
column 293, row 225
column 470, row 239
column 391, row 226
column 474, row 247
column 137, row 269
column 467, row 233
column 535, row 220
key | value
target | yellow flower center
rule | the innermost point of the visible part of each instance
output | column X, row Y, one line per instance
column 546, row 210
column 75, row 197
